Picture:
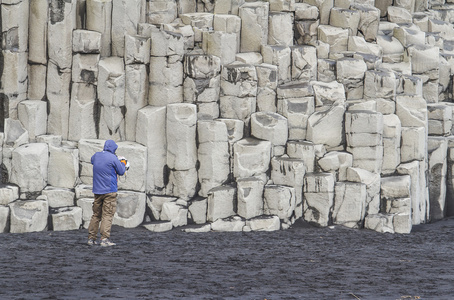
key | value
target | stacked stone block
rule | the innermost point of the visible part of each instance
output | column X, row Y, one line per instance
column 234, row 115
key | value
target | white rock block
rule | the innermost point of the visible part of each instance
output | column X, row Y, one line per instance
column 345, row 18
column 33, row 116
column 86, row 41
column 411, row 110
column 213, row 155
column 228, row 23
column 181, row 136
column 336, row 37
column 88, row 147
column 82, row 112
column 318, row 208
column 239, row 80
column 228, row 224
column 281, row 57
column 66, row 218
column 328, row 94
column 337, row 163
column 161, row 11
column 251, row 158
column 58, row 94
column 399, row 15
column 440, row 119
column 111, row 77
column 151, row 132
column 422, row 58
column 380, row 84
column 220, row 44
column 130, row 210
column 368, row 22
column 269, row 126
column 264, row 223
column 99, row 19
column 349, row 204
column 37, row 31
column 372, row 182
column 280, row 28
column 362, row 121
column 279, row 200
column 302, row 150
column 59, row 197
column 413, row 144
column 185, row 30
column 370, row 52
column 201, row 66
column 437, row 152
column 154, row 204
column 326, row 127
column 394, row 187
column 306, row 32
column 136, row 154
column 126, row 15
column 221, row 203
column 86, row 204
column 8, row 193
column 166, row 43
column 304, row 63
column 159, row 226
column 412, row 169
column 324, row 7
column 297, row 112
column 235, row 129
column 402, row 223
column 304, row 11
column 63, row 168
column 175, row 213
column 62, row 22
column 250, row 197
column 83, row 191
column 182, row 183
column 198, row 210
column 85, row 68
column 409, row 35
column 137, row 49
column 36, row 76
column 111, row 123
column 380, row 223
column 288, row 171
column 392, row 49
column 4, row 219
column 28, row 216
column 30, row 158
column 397, row 206
column 319, row 183
column 165, row 81
column 254, row 26
column 136, row 96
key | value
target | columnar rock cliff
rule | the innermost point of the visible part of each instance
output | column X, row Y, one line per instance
column 234, row 115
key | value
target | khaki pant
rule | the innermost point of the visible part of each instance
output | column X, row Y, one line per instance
column 103, row 211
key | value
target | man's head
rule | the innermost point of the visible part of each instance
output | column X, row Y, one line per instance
column 110, row 146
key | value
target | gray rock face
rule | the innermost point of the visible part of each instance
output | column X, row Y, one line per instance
column 28, row 215
column 130, row 209
column 66, row 218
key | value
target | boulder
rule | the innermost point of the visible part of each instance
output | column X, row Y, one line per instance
column 30, row 158
column 86, row 204
column 130, row 210
column 250, row 201
column 372, row 182
column 280, row 28
column 254, row 26
column 279, row 56
column 198, row 210
column 8, row 193
column 349, row 204
column 63, row 168
column 137, row 49
column 158, row 226
column 154, row 205
column 269, row 126
column 33, row 116
column 337, row 163
column 222, row 203
column 318, row 198
column 66, row 218
column 175, row 213
column 28, row 216
column 302, row 150
column 59, row 197
column 279, row 200
column 264, row 223
column 251, row 158
column 228, row 224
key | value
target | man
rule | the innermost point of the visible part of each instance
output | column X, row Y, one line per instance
column 106, row 168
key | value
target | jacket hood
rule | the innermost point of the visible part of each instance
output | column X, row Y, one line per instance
column 110, row 146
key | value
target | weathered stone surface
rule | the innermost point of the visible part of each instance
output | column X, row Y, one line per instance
column 391, row 143
column 4, row 219
column 230, row 24
column 324, row 7
column 251, row 158
column 269, row 126
column 281, row 57
column 411, row 110
column 136, row 96
column 337, row 163
column 33, row 157
column 304, row 63
column 8, row 193
column 280, row 28
column 264, row 223
column 63, row 168
column 86, row 41
column 130, row 210
column 345, row 18
column 198, row 210
column 136, row 154
column 165, row 81
column 175, row 213
column 368, row 22
column 182, row 183
column 437, row 154
column 28, row 216
column 250, row 201
column 380, row 223
column 126, row 15
column 318, row 198
column 379, row 84
column 181, row 136
column 37, row 31
column 220, row 44
column 33, row 116
column 302, row 150
column 221, row 203
column 62, row 22
column 349, row 204
column 439, row 119
column 86, row 205
column 66, row 218
column 398, row 15
column 254, row 26
column 279, row 200
column 154, row 205
column 413, row 144
column 36, row 76
column 372, row 182
column 336, row 37
column 328, row 94
column 200, row 22
column 111, row 70
column 395, row 187
column 228, row 224
column 266, row 87
column 82, row 112
column 159, row 11
column 59, row 197
column 99, row 18
column 326, row 127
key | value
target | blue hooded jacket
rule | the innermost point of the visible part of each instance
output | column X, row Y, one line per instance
column 106, row 166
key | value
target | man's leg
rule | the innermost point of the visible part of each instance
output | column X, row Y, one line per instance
column 108, row 211
column 96, row 217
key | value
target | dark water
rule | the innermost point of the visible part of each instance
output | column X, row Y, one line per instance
column 300, row 263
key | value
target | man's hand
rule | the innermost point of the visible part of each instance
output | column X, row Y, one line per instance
column 124, row 161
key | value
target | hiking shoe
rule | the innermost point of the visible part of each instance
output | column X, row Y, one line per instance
column 107, row 243
column 92, row 242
